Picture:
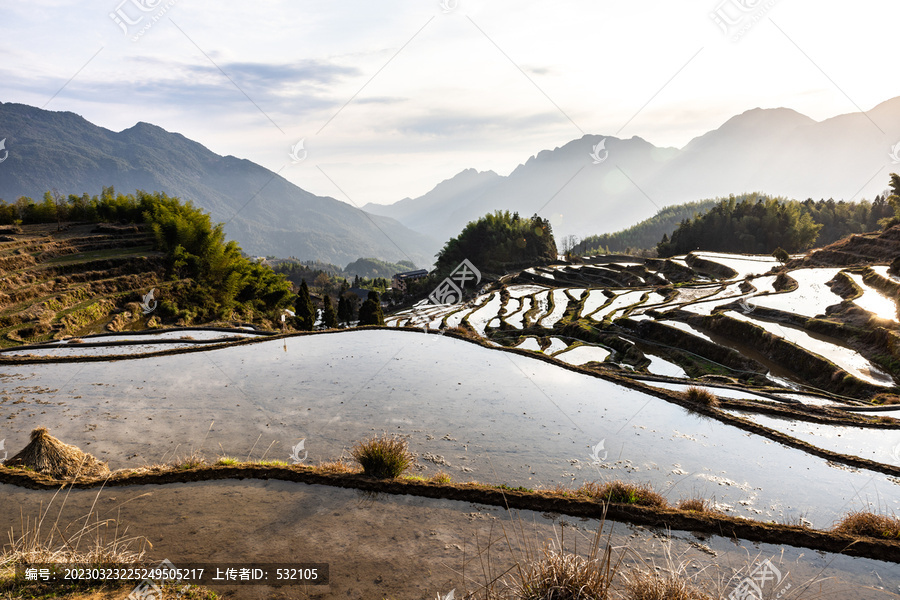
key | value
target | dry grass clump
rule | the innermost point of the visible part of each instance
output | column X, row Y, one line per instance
column 191, row 461
column 228, row 461
column 337, row 467
column 650, row 585
column 89, row 541
column 440, row 477
column 697, row 504
column 701, row 396
column 466, row 331
column 46, row 454
column 621, row 492
column 559, row 489
column 869, row 524
column 561, row 575
column 383, row 457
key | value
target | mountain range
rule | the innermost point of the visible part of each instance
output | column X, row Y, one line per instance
column 265, row 213
column 586, row 191
column 591, row 185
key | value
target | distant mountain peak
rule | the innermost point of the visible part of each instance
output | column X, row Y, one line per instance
column 263, row 212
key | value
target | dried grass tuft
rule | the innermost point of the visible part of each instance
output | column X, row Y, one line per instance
column 650, row 585
column 383, row 457
column 621, row 492
column 46, row 454
column 701, row 396
column 697, row 504
column 869, row 524
column 337, row 467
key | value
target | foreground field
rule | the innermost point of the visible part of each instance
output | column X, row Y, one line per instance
column 386, row 546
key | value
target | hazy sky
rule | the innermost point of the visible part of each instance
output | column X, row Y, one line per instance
column 392, row 97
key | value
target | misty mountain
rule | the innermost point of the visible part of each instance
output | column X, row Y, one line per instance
column 263, row 212
column 451, row 201
column 778, row 152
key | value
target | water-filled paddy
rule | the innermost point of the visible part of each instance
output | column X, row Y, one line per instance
column 812, row 296
column 583, row 354
column 874, row 301
column 744, row 264
column 880, row 445
column 848, row 359
column 492, row 415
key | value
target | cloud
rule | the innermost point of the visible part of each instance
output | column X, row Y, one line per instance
column 279, row 75
column 465, row 124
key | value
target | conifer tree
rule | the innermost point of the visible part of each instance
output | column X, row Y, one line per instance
column 305, row 312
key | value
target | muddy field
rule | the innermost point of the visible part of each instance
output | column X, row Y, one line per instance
column 380, row 546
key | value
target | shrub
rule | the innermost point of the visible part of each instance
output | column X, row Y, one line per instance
column 869, row 524
column 701, row 396
column 384, row 457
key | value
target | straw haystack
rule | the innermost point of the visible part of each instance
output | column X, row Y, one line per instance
column 46, row 454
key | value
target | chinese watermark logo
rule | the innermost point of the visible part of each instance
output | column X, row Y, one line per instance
column 449, row 291
column 736, row 17
column 151, row 589
column 448, row 6
column 295, row 452
column 895, row 453
column 298, row 152
column 596, row 459
column 148, row 304
column 597, row 149
column 5, row 151
column 894, row 154
column 3, row 450
column 134, row 16
column 746, row 304
column 751, row 588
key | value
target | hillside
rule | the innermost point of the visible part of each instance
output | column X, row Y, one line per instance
column 645, row 234
column 65, row 278
column 859, row 249
column 263, row 212
column 761, row 224
column 81, row 279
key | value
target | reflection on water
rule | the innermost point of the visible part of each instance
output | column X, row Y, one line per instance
column 491, row 415
column 848, row 359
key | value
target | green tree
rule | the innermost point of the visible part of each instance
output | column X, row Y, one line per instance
column 344, row 310
column 329, row 318
column 350, row 307
column 304, row 311
column 781, row 255
column 498, row 242
column 370, row 312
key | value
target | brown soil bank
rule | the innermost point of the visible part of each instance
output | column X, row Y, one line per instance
column 860, row 249
column 540, row 501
